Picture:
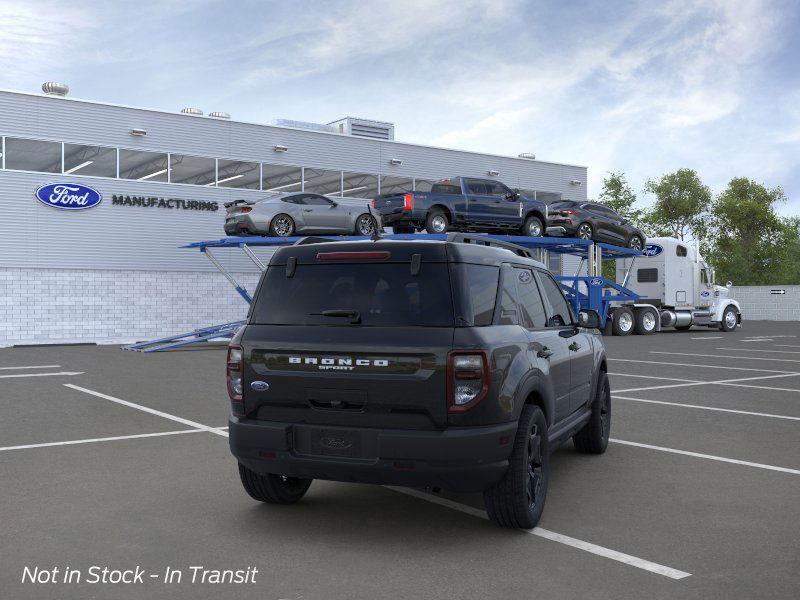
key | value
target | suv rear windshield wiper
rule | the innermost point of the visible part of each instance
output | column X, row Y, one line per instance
column 353, row 315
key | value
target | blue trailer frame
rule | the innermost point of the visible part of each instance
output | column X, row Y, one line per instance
column 599, row 295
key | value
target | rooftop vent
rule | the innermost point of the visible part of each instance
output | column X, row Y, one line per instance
column 192, row 111
column 51, row 88
column 527, row 155
column 219, row 115
column 303, row 125
column 377, row 130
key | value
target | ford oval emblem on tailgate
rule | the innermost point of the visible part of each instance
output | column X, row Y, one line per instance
column 259, row 386
column 335, row 443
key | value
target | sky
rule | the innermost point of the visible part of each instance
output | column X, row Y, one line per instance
column 639, row 87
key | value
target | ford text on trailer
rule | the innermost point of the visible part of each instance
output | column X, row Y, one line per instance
column 676, row 289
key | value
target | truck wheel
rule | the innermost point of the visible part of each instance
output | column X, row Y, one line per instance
column 593, row 438
column 729, row 319
column 623, row 321
column 436, row 222
column 517, row 501
column 533, row 227
column 281, row 226
column 645, row 322
column 274, row 489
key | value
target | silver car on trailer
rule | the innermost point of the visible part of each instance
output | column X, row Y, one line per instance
column 299, row 213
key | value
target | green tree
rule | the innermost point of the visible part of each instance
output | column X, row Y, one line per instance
column 681, row 205
column 618, row 195
column 749, row 243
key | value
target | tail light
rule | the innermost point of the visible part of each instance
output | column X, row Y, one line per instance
column 374, row 203
column 246, row 209
column 234, row 378
column 408, row 201
column 568, row 212
column 468, row 379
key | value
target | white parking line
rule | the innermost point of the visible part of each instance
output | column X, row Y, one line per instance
column 757, row 340
column 708, row 337
column 147, row 409
column 31, row 367
column 105, row 439
column 66, row 373
column 726, row 356
column 627, row 559
column 707, row 456
column 758, row 350
column 714, row 408
column 656, row 362
column 717, row 382
column 655, row 377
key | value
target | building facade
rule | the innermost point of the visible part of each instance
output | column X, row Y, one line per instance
column 117, row 272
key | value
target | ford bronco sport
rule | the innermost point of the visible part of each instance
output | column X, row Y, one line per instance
column 454, row 364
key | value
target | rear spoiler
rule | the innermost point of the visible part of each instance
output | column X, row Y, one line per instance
column 239, row 202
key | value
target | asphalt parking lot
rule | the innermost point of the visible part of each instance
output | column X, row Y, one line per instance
column 115, row 458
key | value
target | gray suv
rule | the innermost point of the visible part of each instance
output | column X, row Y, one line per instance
column 452, row 364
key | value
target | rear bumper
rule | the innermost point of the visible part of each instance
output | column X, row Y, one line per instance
column 458, row 459
column 243, row 225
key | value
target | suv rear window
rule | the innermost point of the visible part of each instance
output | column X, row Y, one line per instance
column 384, row 295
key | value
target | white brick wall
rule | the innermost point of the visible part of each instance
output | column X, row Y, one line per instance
column 47, row 306
column 759, row 304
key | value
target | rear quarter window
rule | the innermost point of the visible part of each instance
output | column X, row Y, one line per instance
column 475, row 292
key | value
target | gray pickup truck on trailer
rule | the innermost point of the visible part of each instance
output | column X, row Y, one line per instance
column 452, row 364
column 464, row 204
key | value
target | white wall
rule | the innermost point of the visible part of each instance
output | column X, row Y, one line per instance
column 759, row 303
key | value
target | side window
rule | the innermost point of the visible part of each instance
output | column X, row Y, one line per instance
column 315, row 200
column 560, row 313
column 476, row 186
column 704, row 276
column 508, row 299
column 530, row 301
column 294, row 199
column 681, row 250
column 495, row 188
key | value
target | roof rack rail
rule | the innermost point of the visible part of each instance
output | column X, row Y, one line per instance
column 482, row 240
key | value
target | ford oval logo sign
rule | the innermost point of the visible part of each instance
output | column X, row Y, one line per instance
column 68, row 196
column 260, row 386
column 705, row 294
column 595, row 282
column 652, row 250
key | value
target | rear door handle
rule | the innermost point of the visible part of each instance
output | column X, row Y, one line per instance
column 574, row 346
column 308, row 209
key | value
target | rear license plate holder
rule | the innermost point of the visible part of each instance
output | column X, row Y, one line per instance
column 343, row 443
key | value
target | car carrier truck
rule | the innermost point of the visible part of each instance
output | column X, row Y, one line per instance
column 676, row 289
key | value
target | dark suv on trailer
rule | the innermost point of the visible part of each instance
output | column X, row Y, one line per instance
column 593, row 221
column 443, row 364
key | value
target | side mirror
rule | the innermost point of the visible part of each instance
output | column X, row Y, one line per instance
column 334, row 204
column 729, row 285
column 589, row 319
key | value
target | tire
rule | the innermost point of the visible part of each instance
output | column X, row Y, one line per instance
column 517, row 501
column 273, row 489
column 593, row 438
column 282, row 225
column 403, row 229
column 645, row 321
column 584, row 231
column 623, row 321
column 533, row 227
column 635, row 242
column 365, row 225
column 437, row 221
column 729, row 320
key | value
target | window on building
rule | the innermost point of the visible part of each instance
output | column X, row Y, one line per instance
column 530, row 300
column 238, row 174
column 194, row 170
column 33, row 155
column 396, row 185
column 281, row 178
column 321, row 181
column 560, row 313
column 97, row 161
column 647, row 275
column 423, row 185
column 360, row 185
column 144, row 166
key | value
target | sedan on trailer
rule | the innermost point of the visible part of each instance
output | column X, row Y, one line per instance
column 593, row 221
column 299, row 213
